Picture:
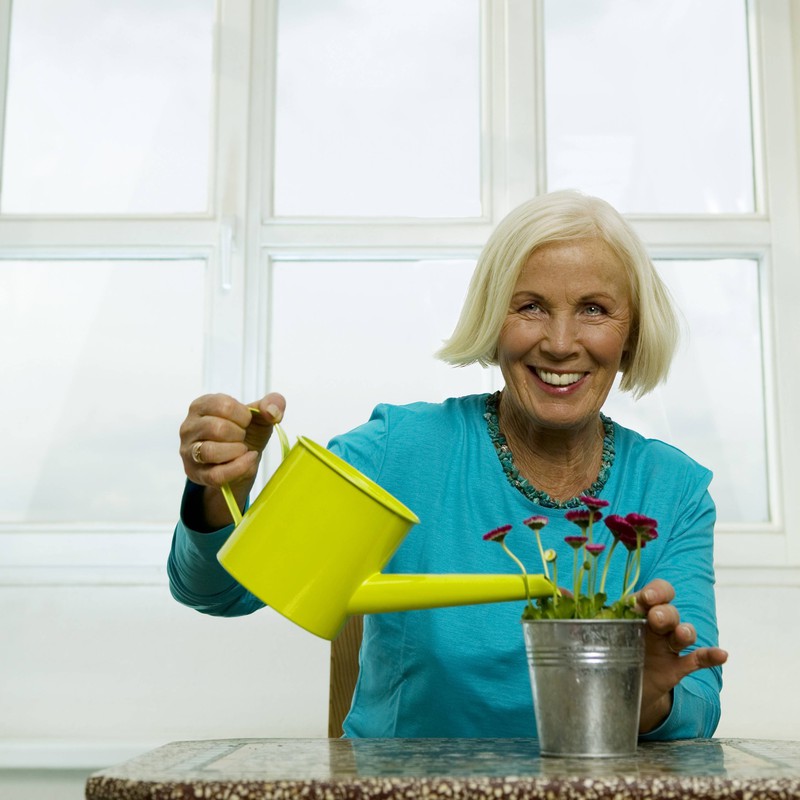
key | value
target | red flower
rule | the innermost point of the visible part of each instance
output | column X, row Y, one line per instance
column 582, row 517
column 620, row 527
column 593, row 502
column 497, row 535
column 630, row 542
column 535, row 523
column 576, row 542
column 595, row 549
column 640, row 521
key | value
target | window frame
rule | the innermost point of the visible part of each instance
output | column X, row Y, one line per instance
column 239, row 237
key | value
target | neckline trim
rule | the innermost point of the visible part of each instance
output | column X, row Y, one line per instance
column 520, row 483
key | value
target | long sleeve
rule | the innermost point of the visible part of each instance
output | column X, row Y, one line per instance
column 196, row 578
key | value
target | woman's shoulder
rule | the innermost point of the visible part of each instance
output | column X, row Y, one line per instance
column 413, row 436
column 426, row 412
column 423, row 412
column 632, row 446
column 411, row 428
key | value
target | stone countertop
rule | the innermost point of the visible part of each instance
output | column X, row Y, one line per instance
column 449, row 769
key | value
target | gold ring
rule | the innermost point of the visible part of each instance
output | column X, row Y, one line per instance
column 196, row 457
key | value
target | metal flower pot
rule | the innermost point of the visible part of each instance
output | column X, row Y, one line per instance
column 586, row 678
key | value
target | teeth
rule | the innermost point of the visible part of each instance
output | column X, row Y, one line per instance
column 556, row 379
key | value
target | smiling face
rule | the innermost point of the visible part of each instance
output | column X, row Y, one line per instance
column 565, row 335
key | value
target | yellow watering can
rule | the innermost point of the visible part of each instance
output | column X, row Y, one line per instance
column 314, row 541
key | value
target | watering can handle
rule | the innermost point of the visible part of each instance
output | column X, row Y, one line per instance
column 230, row 500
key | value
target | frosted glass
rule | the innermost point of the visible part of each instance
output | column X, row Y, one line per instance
column 109, row 107
column 378, row 108
column 347, row 336
column 100, row 361
column 648, row 104
column 712, row 406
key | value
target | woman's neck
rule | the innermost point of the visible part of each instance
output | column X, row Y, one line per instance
column 560, row 462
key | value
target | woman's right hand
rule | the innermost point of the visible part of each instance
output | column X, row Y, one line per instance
column 221, row 442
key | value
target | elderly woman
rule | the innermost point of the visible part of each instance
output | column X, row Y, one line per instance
column 563, row 298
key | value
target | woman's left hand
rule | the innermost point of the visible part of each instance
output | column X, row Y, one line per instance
column 664, row 666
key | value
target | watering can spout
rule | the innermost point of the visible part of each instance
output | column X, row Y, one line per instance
column 383, row 593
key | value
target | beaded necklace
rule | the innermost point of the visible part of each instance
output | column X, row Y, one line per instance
column 517, row 481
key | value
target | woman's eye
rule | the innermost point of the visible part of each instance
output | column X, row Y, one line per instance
column 594, row 310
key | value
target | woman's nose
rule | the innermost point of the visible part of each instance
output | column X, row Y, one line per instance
column 560, row 339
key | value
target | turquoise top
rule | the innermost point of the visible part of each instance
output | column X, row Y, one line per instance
column 461, row 672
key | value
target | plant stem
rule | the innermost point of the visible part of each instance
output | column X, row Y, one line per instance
column 576, row 593
column 626, row 574
column 633, row 582
column 541, row 554
column 524, row 573
column 605, row 566
column 555, row 584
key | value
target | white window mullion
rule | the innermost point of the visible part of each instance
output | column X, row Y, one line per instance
column 780, row 157
column 227, row 286
column 259, row 192
column 518, row 146
column 5, row 44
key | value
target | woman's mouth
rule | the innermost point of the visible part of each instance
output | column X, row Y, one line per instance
column 558, row 378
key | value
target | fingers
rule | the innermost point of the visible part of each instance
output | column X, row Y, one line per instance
column 208, row 452
column 705, row 657
column 657, row 592
column 219, row 406
column 218, row 435
column 272, row 407
column 237, row 470
column 665, row 620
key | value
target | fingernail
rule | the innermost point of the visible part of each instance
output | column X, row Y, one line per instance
column 274, row 412
column 647, row 596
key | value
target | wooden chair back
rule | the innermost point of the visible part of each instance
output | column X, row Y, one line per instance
column 343, row 674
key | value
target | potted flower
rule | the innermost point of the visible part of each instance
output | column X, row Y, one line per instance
column 586, row 655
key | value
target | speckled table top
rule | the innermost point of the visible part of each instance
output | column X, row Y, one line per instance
column 450, row 769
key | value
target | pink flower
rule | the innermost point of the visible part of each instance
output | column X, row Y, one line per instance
column 497, row 535
column 535, row 523
column 576, row 542
column 644, row 526
column 646, row 535
column 595, row 549
column 582, row 517
column 640, row 521
column 620, row 527
column 593, row 502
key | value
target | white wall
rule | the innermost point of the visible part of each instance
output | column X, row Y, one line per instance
column 758, row 626
column 91, row 676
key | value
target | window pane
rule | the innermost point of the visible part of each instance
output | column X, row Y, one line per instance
column 109, row 107
column 712, row 406
column 104, row 360
column 648, row 104
column 347, row 336
column 378, row 108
